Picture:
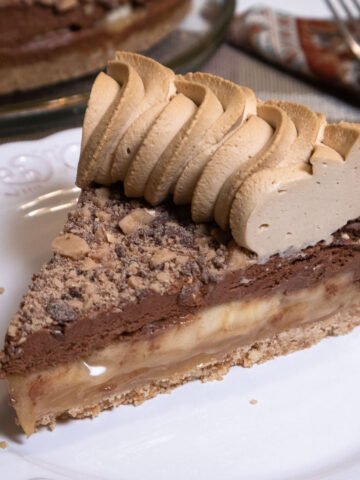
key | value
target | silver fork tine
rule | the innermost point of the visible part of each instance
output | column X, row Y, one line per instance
column 356, row 4
column 349, row 37
column 347, row 10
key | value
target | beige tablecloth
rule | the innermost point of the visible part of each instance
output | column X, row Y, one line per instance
column 267, row 82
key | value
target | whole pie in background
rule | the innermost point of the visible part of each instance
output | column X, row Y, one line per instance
column 43, row 42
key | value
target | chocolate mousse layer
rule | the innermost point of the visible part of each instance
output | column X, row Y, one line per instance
column 122, row 268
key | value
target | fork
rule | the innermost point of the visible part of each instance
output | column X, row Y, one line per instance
column 342, row 12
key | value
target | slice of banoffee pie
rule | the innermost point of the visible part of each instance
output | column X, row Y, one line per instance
column 212, row 230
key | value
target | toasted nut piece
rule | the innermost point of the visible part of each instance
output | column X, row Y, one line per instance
column 162, row 256
column 88, row 264
column 71, row 246
column 163, row 277
column 137, row 218
column 182, row 259
column 237, row 259
column 135, row 282
column 102, row 254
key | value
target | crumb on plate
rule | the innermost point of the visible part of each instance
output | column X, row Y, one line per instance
column 3, row 445
column 253, row 401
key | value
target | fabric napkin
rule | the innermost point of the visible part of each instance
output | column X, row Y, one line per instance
column 314, row 48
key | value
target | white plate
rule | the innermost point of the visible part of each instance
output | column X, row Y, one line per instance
column 305, row 425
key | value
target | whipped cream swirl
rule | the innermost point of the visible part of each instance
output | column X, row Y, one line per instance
column 274, row 173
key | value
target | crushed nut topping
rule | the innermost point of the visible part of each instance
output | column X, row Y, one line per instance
column 114, row 251
column 237, row 257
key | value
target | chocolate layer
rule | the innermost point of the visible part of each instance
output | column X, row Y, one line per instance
column 144, row 280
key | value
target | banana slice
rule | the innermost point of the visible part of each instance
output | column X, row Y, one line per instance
column 164, row 130
column 246, row 142
column 294, row 206
column 121, row 91
column 159, row 87
column 172, row 161
column 238, row 103
column 272, row 154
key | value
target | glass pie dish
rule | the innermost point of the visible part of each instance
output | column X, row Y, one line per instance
column 63, row 104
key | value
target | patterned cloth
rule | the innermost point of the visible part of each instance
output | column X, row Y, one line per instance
column 269, row 82
column 314, row 48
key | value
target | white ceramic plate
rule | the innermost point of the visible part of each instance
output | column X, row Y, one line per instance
column 305, row 425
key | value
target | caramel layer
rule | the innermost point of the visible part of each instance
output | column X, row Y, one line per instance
column 190, row 342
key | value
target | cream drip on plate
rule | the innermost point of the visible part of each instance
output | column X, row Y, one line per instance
column 274, row 173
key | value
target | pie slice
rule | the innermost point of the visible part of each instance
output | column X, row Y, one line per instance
column 207, row 234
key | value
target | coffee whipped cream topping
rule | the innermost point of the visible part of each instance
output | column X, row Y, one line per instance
column 273, row 173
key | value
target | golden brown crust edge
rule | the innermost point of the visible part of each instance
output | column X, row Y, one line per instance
column 78, row 63
column 283, row 343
